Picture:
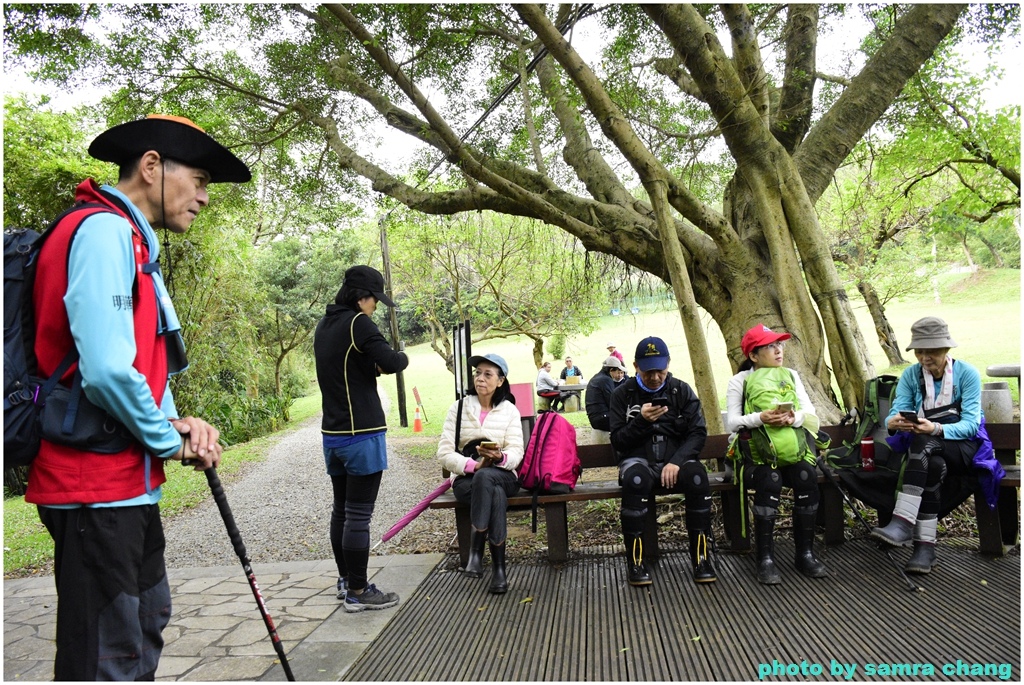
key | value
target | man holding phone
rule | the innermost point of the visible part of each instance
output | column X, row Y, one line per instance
column 657, row 430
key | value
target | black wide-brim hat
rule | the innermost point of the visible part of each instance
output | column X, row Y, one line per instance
column 175, row 138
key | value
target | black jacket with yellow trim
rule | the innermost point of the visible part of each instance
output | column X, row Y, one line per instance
column 350, row 353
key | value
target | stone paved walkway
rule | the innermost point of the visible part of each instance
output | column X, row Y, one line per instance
column 216, row 631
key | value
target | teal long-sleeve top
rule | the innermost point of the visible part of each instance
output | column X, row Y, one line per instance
column 966, row 389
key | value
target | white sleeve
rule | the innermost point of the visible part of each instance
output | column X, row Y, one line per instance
column 735, row 419
column 806, row 416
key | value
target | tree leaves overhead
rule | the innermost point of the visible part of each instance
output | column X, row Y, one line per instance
column 735, row 127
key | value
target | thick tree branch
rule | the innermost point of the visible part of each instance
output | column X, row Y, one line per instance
column 614, row 125
column 747, row 57
column 914, row 39
column 793, row 119
column 672, row 68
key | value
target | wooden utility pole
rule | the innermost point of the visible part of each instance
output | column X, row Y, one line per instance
column 403, row 415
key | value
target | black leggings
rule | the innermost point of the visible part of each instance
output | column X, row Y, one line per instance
column 767, row 484
column 354, row 499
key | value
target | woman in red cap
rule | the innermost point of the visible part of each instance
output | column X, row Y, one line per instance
column 768, row 401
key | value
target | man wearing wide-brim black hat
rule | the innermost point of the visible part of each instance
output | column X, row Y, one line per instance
column 100, row 300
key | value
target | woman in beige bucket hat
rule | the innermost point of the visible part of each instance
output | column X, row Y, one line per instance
column 937, row 409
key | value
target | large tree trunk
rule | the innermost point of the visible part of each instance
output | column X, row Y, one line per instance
column 886, row 335
column 764, row 259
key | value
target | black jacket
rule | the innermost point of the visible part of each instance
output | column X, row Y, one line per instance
column 565, row 371
column 682, row 426
column 599, row 395
column 349, row 349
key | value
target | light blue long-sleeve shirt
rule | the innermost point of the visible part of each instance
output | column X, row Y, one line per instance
column 966, row 389
column 101, row 273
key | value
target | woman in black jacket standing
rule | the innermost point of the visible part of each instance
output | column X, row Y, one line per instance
column 350, row 353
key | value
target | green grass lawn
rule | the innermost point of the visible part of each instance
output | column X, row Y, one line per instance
column 983, row 313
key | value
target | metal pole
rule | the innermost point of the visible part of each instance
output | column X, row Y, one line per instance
column 403, row 414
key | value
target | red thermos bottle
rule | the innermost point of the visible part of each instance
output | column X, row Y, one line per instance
column 867, row 453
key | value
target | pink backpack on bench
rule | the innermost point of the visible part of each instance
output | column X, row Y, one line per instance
column 550, row 463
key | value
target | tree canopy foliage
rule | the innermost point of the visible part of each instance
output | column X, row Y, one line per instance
column 637, row 130
column 508, row 276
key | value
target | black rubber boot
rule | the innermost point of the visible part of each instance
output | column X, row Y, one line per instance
column 923, row 559
column 475, row 565
column 703, row 570
column 803, row 536
column 499, row 584
column 764, row 535
column 636, row 572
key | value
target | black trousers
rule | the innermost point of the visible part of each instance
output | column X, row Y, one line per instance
column 113, row 599
column 486, row 492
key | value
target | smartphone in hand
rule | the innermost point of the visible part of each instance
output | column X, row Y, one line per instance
column 659, row 401
column 911, row 416
column 489, row 445
column 785, row 406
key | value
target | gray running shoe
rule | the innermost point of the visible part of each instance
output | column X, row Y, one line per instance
column 342, row 588
column 371, row 598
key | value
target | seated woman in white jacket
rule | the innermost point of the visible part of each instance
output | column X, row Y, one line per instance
column 483, row 464
column 770, row 401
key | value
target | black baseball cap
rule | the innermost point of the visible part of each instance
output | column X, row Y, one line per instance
column 367, row 278
column 175, row 138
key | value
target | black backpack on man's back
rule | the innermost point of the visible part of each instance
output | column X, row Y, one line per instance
column 22, row 393
column 71, row 419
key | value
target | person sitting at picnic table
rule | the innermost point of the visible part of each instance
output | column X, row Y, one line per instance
column 599, row 392
column 658, row 431
column 937, row 420
column 570, row 370
column 571, row 377
column 768, row 401
column 547, row 386
column 482, row 446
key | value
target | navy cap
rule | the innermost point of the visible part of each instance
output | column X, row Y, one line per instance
column 652, row 353
column 495, row 359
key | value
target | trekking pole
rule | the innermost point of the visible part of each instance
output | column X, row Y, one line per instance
column 236, row 540
column 913, row 587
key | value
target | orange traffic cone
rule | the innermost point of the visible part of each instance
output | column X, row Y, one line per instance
column 417, row 423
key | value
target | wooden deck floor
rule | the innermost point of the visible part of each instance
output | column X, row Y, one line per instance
column 581, row 622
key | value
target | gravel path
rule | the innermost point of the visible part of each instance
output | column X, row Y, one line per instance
column 283, row 508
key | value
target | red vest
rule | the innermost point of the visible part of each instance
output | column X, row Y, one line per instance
column 63, row 475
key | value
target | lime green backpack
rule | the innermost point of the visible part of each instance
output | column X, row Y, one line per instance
column 763, row 389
